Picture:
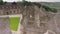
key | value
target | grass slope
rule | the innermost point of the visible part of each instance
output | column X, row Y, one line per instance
column 14, row 22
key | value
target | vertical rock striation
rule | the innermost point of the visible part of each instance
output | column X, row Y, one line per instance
column 4, row 25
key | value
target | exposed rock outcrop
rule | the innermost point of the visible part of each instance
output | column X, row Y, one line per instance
column 35, row 20
column 5, row 25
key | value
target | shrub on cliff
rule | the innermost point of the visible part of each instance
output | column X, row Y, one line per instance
column 27, row 3
column 37, row 4
column 49, row 9
column 54, row 10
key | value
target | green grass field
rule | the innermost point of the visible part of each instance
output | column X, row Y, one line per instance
column 14, row 22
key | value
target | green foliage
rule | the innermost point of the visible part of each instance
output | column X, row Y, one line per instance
column 2, row 3
column 27, row 3
column 54, row 10
column 14, row 3
column 46, row 8
column 49, row 9
column 37, row 4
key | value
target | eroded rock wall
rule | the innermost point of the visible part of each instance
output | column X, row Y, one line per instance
column 34, row 20
column 5, row 25
column 38, row 21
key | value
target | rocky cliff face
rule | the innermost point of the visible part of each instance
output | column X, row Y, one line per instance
column 5, row 25
column 35, row 20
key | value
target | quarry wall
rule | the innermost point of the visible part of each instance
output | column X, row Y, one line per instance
column 34, row 20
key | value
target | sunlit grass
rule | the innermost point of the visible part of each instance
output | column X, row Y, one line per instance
column 14, row 22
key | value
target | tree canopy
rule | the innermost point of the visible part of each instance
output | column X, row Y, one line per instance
column 14, row 3
column 2, row 3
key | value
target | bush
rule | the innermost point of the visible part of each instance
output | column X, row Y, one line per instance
column 26, row 3
column 49, row 9
column 39, row 5
column 1, row 2
column 14, row 3
column 54, row 10
column 46, row 8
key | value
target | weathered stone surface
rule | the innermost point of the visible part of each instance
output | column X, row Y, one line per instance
column 4, row 25
column 34, row 20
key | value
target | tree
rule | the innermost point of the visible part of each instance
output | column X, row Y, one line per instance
column 37, row 4
column 49, row 9
column 5, row 2
column 14, row 3
column 25, row 3
column 1, row 2
column 54, row 10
